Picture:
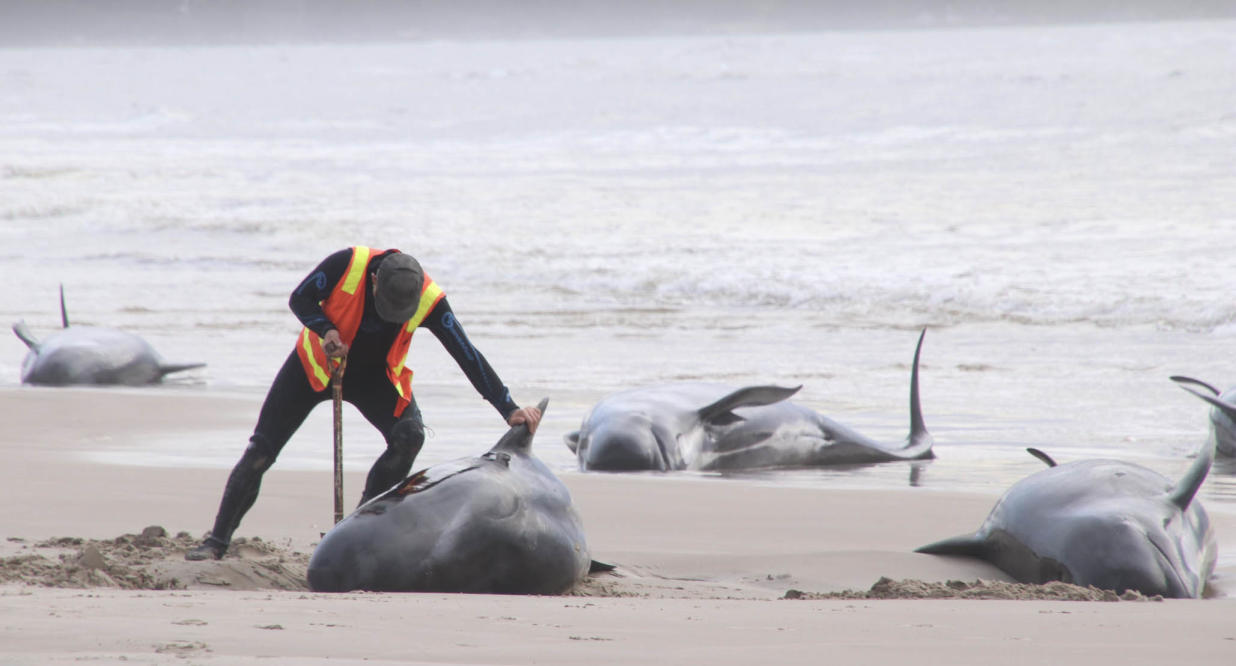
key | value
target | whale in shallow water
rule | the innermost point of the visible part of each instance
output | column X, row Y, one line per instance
column 1107, row 523
column 710, row 427
column 90, row 355
column 1222, row 425
column 498, row 523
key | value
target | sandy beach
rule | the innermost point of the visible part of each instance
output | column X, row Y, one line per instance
column 703, row 566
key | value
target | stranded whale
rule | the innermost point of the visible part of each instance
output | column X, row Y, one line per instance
column 1106, row 523
column 710, row 427
column 499, row 523
column 89, row 355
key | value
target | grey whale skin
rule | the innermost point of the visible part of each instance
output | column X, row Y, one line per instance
column 710, row 427
column 1222, row 425
column 500, row 523
column 1107, row 523
column 90, row 355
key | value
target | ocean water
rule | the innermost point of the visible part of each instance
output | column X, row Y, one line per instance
column 1054, row 204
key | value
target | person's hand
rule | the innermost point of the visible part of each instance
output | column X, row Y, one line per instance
column 333, row 345
column 529, row 415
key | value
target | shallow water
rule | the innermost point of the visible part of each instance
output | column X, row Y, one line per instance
column 1052, row 203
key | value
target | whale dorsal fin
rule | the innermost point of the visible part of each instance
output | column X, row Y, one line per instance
column 969, row 545
column 518, row 439
column 1182, row 493
column 1182, row 380
column 572, row 440
column 720, row 412
column 168, row 368
column 919, row 437
column 1041, row 456
column 23, row 333
column 64, row 312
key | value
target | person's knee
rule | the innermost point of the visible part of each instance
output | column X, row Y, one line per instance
column 407, row 436
column 259, row 454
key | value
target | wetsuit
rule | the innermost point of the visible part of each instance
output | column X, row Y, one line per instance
column 365, row 386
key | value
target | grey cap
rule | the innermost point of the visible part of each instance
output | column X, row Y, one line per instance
column 399, row 281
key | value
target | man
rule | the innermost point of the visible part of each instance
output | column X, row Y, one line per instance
column 364, row 305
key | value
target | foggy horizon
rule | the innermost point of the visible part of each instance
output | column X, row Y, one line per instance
column 204, row 22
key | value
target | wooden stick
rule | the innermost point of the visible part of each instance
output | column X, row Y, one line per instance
column 336, row 382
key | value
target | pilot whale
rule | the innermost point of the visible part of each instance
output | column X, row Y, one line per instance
column 1222, row 426
column 1107, row 523
column 498, row 523
column 710, row 427
column 91, row 355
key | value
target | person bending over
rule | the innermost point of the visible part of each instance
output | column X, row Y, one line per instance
column 364, row 305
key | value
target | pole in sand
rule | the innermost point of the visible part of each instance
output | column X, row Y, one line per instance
column 336, row 383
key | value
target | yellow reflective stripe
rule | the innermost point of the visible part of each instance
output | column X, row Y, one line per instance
column 356, row 270
column 306, row 342
column 428, row 297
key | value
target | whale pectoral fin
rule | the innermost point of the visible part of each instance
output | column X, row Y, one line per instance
column 968, row 545
column 720, row 412
column 600, row 567
column 723, row 419
column 168, row 368
column 23, row 333
column 1041, row 456
column 572, row 441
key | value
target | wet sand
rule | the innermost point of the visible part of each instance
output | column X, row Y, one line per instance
column 703, row 569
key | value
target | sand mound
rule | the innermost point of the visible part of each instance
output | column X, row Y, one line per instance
column 152, row 560
column 886, row 588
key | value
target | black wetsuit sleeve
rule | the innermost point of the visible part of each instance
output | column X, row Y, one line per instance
column 450, row 333
column 306, row 299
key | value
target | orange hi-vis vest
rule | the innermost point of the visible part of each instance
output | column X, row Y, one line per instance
column 344, row 307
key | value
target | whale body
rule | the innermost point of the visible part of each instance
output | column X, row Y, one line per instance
column 1107, row 523
column 711, row 427
column 91, row 355
column 498, row 523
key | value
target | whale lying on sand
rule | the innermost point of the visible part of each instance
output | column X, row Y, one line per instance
column 90, row 355
column 710, row 427
column 1222, row 426
column 498, row 523
column 1107, row 523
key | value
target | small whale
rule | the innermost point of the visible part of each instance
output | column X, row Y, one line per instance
column 500, row 523
column 1107, row 523
column 709, row 427
column 90, row 355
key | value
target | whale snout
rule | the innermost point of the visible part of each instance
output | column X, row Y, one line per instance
column 622, row 450
column 327, row 579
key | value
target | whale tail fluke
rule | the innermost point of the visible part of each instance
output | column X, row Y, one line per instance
column 918, row 444
column 1189, row 381
column 1183, row 492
